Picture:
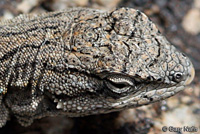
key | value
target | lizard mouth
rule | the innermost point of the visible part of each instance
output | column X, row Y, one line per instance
column 145, row 98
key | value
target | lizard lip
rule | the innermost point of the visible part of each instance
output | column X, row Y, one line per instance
column 191, row 74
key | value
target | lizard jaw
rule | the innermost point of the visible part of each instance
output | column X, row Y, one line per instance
column 148, row 97
column 156, row 94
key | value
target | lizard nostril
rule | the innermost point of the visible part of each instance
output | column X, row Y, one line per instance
column 177, row 77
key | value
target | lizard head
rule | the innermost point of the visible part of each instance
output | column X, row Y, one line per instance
column 145, row 67
column 122, row 60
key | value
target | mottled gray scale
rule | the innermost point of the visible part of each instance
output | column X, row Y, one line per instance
column 83, row 61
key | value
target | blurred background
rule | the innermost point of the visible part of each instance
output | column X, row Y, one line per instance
column 178, row 20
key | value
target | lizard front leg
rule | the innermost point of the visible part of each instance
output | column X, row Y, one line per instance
column 3, row 113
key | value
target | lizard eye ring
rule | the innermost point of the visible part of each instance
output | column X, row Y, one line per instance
column 119, row 84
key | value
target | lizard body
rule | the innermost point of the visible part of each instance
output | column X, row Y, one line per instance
column 84, row 61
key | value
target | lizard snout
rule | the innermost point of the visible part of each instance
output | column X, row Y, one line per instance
column 190, row 76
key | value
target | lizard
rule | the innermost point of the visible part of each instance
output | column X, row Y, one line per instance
column 83, row 61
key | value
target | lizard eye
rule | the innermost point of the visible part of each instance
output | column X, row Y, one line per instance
column 119, row 84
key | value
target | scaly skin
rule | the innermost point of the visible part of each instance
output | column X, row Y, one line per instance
column 84, row 61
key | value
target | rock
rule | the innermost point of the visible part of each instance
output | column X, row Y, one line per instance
column 26, row 5
column 64, row 4
column 108, row 3
column 191, row 21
